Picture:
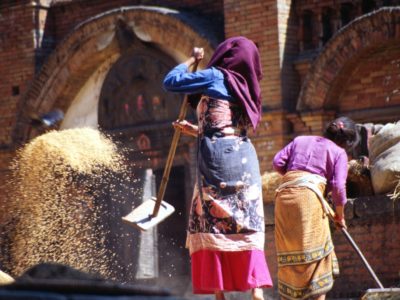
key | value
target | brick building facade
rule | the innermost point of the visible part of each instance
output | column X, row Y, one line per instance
column 320, row 59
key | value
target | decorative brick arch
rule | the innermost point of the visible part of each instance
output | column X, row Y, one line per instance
column 330, row 71
column 94, row 41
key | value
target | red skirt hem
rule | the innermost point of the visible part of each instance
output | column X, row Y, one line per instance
column 229, row 271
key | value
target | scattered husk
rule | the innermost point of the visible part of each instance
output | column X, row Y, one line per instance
column 59, row 181
column 270, row 182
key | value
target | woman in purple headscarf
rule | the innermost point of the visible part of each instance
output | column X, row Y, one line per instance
column 226, row 224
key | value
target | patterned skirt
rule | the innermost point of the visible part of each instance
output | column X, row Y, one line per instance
column 226, row 224
column 307, row 262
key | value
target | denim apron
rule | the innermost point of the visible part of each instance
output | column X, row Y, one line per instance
column 227, row 208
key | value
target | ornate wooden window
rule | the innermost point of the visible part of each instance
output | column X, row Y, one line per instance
column 367, row 6
column 308, row 30
column 327, row 24
column 347, row 13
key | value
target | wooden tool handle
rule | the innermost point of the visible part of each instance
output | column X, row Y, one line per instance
column 171, row 154
column 346, row 234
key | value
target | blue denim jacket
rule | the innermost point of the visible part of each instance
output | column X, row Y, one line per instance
column 209, row 82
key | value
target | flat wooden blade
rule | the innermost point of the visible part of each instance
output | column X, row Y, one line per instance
column 142, row 216
column 379, row 294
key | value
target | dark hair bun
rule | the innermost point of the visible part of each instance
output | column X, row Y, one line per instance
column 343, row 132
column 333, row 129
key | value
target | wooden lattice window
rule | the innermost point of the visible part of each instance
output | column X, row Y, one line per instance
column 347, row 13
column 367, row 6
column 327, row 24
column 308, row 30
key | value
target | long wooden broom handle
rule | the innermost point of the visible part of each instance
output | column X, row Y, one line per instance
column 171, row 154
column 331, row 215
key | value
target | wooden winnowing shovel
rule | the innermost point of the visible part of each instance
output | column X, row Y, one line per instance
column 153, row 211
column 331, row 214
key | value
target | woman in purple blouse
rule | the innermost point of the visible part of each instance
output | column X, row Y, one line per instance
column 312, row 166
column 226, row 224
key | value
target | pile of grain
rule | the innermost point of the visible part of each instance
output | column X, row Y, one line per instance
column 270, row 182
column 59, row 180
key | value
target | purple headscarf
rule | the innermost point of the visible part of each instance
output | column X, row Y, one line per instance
column 239, row 60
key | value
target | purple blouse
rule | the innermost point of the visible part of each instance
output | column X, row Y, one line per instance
column 316, row 155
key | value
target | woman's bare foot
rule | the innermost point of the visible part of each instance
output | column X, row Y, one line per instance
column 257, row 294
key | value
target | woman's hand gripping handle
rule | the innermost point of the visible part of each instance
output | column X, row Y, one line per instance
column 185, row 126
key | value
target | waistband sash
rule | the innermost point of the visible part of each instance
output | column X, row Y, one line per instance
column 310, row 181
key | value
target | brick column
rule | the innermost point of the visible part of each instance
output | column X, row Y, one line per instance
column 271, row 136
column 43, row 33
column 270, row 23
column 17, row 69
column 17, row 59
column 258, row 20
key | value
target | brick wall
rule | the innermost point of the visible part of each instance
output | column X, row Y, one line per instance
column 258, row 20
column 374, row 224
column 69, row 14
column 271, row 135
column 379, row 241
column 17, row 58
column 289, row 51
column 374, row 83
